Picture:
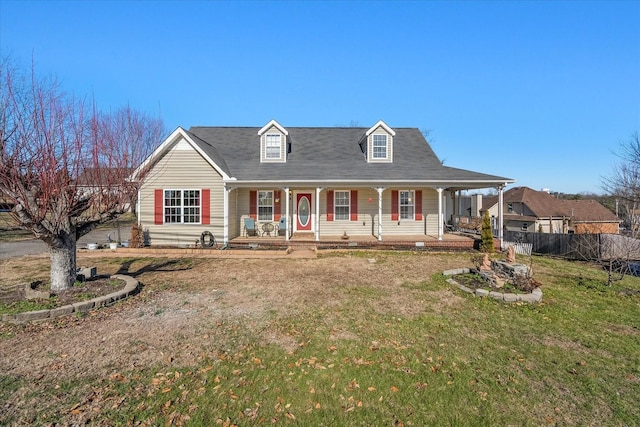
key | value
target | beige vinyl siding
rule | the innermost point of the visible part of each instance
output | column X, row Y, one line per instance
column 367, row 211
column 273, row 130
column 180, row 169
column 405, row 227
column 370, row 158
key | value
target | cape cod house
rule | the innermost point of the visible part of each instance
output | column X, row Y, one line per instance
column 298, row 182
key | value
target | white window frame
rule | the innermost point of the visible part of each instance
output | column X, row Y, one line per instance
column 341, row 216
column 184, row 212
column 376, row 154
column 409, row 203
column 264, row 206
column 270, row 145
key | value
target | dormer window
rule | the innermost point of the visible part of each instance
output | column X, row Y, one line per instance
column 273, row 143
column 379, row 146
column 273, row 146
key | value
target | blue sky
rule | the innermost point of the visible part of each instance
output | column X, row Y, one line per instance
column 541, row 92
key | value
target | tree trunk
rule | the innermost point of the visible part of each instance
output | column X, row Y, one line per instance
column 63, row 264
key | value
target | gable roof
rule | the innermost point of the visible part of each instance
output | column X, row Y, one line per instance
column 544, row 205
column 209, row 153
column 332, row 155
column 587, row 210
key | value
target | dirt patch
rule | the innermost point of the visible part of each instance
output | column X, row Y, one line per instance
column 188, row 309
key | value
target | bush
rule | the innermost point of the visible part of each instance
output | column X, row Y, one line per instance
column 137, row 236
column 486, row 243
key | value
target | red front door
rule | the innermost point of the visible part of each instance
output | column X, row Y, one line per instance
column 303, row 208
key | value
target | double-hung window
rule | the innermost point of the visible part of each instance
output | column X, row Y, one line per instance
column 407, row 204
column 379, row 146
column 265, row 205
column 182, row 206
column 342, row 205
column 272, row 146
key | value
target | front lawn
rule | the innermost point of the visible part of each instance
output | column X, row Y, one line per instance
column 375, row 338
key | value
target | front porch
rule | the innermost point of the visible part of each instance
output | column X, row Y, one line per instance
column 448, row 242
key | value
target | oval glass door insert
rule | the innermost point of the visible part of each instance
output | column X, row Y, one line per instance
column 303, row 211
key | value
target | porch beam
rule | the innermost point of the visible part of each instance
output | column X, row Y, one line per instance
column 225, row 214
column 286, row 214
column 380, row 191
column 501, row 215
column 440, row 214
column 318, row 190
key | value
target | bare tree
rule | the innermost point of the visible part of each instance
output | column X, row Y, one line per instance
column 66, row 167
column 624, row 181
column 612, row 252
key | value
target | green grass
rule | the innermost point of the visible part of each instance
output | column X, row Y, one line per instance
column 574, row 359
column 27, row 305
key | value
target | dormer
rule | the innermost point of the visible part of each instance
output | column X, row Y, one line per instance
column 273, row 143
column 380, row 143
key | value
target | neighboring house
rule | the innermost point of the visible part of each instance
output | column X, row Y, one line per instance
column 316, row 182
column 538, row 211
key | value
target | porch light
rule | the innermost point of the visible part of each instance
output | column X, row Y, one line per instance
column 277, row 199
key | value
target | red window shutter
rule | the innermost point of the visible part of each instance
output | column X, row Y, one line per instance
column 253, row 204
column 394, row 205
column 277, row 206
column 330, row 205
column 206, row 206
column 418, row 205
column 158, row 207
column 354, row 205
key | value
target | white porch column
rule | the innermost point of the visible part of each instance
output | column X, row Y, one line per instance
column 440, row 214
column 286, row 214
column 501, row 216
column 225, row 209
column 380, row 190
column 318, row 189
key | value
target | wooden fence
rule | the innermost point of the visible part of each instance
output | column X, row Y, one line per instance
column 579, row 246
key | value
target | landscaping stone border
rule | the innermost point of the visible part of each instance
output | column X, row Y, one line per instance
column 131, row 287
column 534, row 297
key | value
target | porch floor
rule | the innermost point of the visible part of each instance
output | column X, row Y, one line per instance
column 450, row 241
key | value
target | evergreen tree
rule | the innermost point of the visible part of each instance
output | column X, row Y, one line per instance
column 486, row 244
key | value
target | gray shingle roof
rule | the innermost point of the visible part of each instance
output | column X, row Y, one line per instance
column 328, row 154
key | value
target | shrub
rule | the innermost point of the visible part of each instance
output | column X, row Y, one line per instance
column 486, row 243
column 137, row 236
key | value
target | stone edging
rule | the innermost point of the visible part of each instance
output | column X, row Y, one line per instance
column 131, row 287
column 533, row 297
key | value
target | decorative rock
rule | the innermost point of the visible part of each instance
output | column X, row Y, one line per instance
column 482, row 292
column 33, row 315
column 85, row 273
column 8, row 317
column 31, row 293
column 61, row 311
column 103, row 301
column 530, row 298
column 465, row 289
column 83, row 306
column 510, row 297
column 131, row 287
column 496, row 295
column 511, row 254
column 486, row 263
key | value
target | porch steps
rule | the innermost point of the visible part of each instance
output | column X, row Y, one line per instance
column 302, row 251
